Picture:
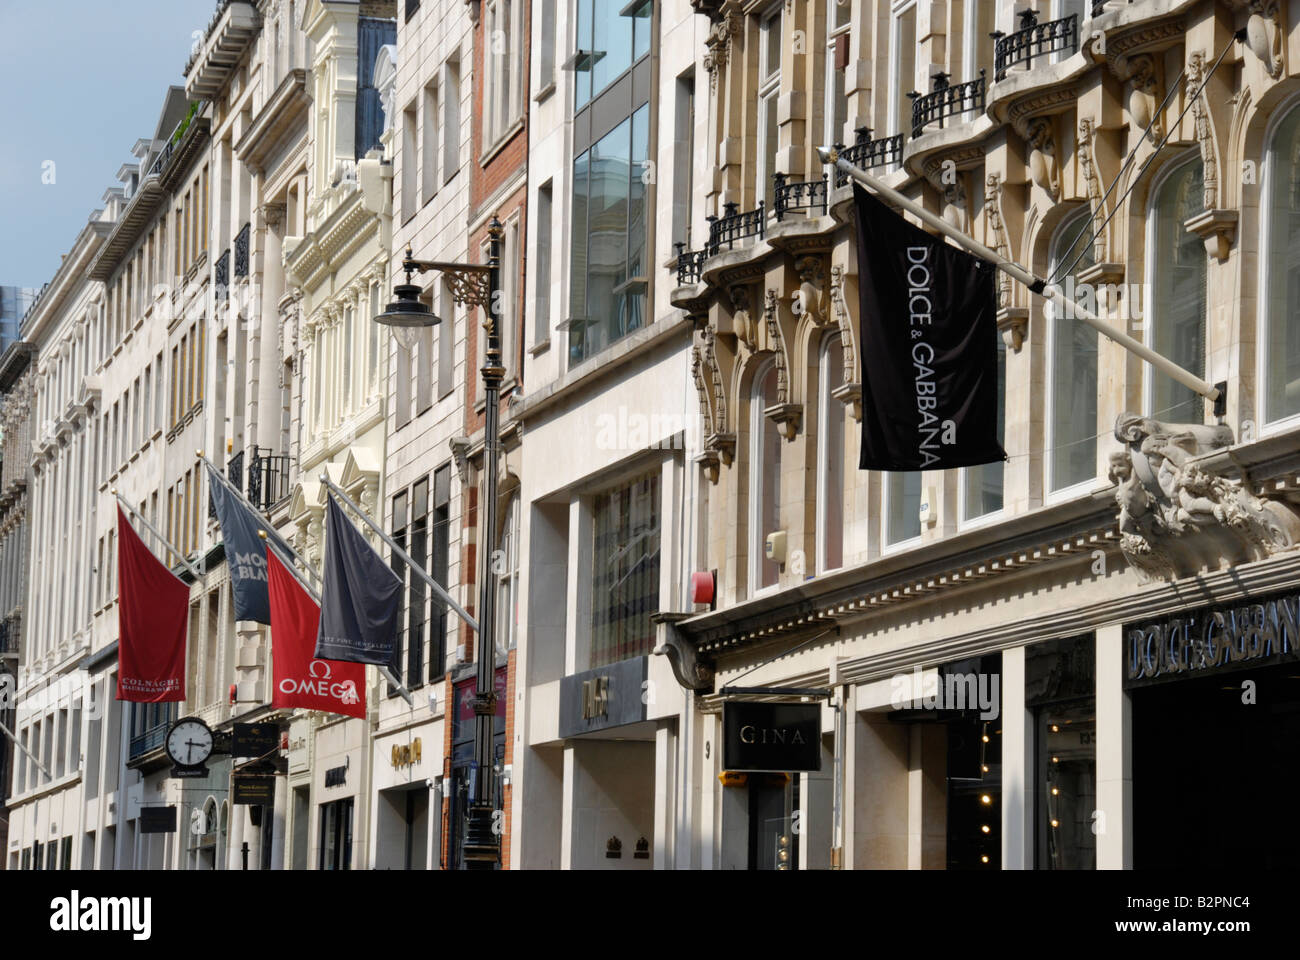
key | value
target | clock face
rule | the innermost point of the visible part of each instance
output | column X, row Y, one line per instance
column 189, row 742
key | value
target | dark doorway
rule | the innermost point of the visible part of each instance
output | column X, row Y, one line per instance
column 773, row 821
column 1212, row 774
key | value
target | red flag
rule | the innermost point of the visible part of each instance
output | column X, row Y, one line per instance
column 300, row 679
column 153, row 605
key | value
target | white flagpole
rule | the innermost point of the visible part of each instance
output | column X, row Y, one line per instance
column 1036, row 285
column 402, row 554
column 161, row 539
column 315, row 595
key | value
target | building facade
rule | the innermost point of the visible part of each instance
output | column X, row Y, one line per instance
column 1121, row 566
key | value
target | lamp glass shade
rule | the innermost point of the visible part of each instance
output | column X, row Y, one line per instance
column 406, row 316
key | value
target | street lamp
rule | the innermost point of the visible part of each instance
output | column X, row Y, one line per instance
column 473, row 285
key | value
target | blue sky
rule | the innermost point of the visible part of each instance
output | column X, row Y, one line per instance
column 82, row 81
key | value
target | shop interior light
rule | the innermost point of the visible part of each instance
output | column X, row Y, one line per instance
column 985, row 828
column 984, row 859
column 986, row 799
column 1055, row 824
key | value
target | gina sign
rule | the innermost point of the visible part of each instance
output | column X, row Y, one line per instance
column 1225, row 638
column 773, row 737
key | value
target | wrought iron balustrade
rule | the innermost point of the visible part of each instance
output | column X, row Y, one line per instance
column 241, row 252
column 268, row 478
column 736, row 225
column 690, row 264
column 867, row 154
column 221, row 277
column 798, row 195
column 1032, row 40
column 946, row 100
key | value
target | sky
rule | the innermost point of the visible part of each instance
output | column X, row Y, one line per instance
column 83, row 80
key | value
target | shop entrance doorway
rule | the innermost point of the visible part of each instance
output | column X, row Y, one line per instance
column 1213, row 776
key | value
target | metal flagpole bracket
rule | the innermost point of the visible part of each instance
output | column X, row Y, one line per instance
column 1035, row 284
column 402, row 554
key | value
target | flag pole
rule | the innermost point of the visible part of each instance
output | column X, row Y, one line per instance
column 1217, row 394
column 402, row 554
column 315, row 595
column 152, row 529
column 225, row 482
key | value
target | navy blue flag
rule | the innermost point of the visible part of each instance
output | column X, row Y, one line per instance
column 245, row 551
column 361, row 598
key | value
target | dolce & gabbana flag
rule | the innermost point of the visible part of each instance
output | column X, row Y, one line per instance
column 360, row 599
column 928, row 326
column 245, row 551
column 300, row 679
column 153, row 606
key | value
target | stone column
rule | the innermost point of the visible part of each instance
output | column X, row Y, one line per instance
column 278, row 820
column 1113, row 822
column 1018, row 786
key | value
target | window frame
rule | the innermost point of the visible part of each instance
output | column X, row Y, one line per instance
column 1266, row 427
column 888, row 546
column 758, row 426
column 1083, row 487
column 963, row 473
column 832, row 351
column 898, row 11
column 768, row 103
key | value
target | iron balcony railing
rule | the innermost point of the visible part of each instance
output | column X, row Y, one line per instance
column 734, row 225
column 797, row 195
column 690, row 264
column 946, row 101
column 867, row 154
column 268, row 478
column 221, row 276
column 241, row 252
column 1033, row 39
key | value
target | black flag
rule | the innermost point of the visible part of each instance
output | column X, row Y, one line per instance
column 361, row 597
column 928, row 321
column 245, row 551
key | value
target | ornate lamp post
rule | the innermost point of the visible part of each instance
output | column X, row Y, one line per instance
column 474, row 285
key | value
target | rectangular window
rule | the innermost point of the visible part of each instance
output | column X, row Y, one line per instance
column 451, row 93
column 625, row 571
column 608, row 282
column 502, row 96
column 546, row 55
column 447, row 342
column 416, row 589
column 410, row 163
column 982, row 485
column 336, row 835
column 440, row 569
column 831, row 500
column 542, row 241
column 769, row 95
column 902, row 72
column 429, row 148
column 509, row 297
column 684, row 160
column 902, row 507
column 424, row 371
column 837, row 63
column 399, row 568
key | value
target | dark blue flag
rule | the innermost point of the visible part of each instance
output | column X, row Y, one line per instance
column 361, row 598
column 245, row 551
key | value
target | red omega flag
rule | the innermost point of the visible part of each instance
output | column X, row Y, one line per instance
column 300, row 679
column 153, row 605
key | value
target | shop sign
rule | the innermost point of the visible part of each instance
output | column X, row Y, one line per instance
column 406, row 754
column 610, row 696
column 254, row 789
column 158, row 819
column 336, row 776
column 774, row 737
column 1213, row 639
column 254, row 739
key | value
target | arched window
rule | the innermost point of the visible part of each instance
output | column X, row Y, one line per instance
column 1175, row 304
column 764, row 479
column 830, row 453
column 1071, row 455
column 1279, row 340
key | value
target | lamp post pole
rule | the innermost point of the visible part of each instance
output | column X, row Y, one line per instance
column 474, row 285
column 482, row 839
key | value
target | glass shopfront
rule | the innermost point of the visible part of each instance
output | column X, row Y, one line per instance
column 1060, row 690
column 974, row 747
column 463, row 768
column 1215, row 696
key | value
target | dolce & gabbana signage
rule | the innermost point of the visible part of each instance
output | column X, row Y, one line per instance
column 1234, row 636
column 773, row 737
